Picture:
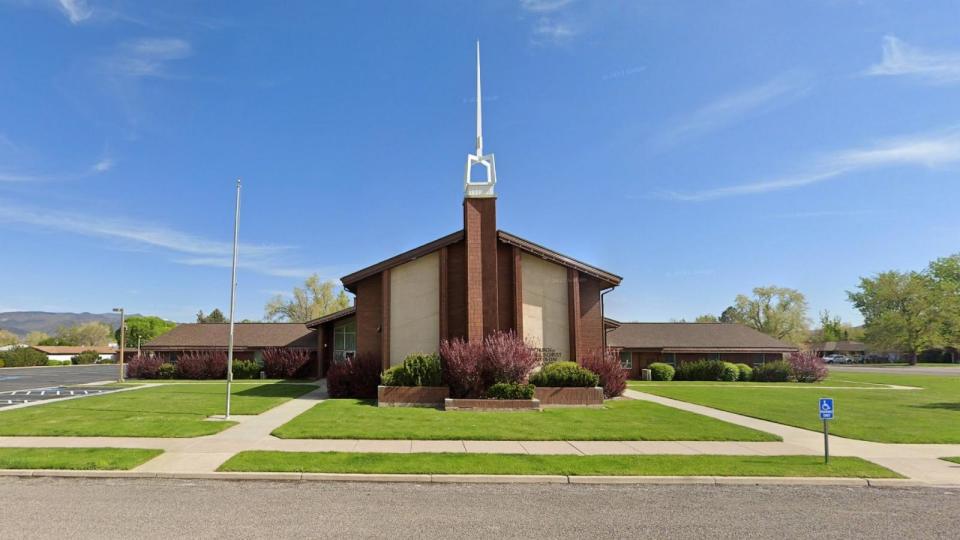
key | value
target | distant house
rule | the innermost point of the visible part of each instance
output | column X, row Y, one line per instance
column 65, row 353
column 849, row 348
column 249, row 341
column 642, row 344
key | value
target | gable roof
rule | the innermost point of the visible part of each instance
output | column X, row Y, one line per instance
column 841, row 346
column 502, row 236
column 73, row 349
column 694, row 337
column 331, row 317
column 246, row 336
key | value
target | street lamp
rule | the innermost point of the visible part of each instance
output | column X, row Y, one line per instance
column 123, row 339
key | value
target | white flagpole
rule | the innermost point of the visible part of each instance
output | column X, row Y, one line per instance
column 233, row 297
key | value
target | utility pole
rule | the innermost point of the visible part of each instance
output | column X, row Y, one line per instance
column 233, row 296
column 123, row 340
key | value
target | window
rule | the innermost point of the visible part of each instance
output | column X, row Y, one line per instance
column 669, row 358
column 345, row 341
column 715, row 356
column 626, row 359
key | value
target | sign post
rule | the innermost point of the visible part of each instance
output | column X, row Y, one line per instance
column 826, row 414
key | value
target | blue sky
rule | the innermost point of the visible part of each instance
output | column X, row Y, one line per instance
column 698, row 149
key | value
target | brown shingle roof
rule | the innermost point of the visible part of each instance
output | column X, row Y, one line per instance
column 502, row 236
column 841, row 346
column 246, row 336
column 694, row 337
column 335, row 316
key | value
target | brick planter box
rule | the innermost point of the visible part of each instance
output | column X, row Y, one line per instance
column 554, row 396
column 491, row 404
column 412, row 396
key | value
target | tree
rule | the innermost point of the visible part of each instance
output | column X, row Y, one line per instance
column 707, row 318
column 91, row 333
column 776, row 311
column 36, row 337
column 315, row 299
column 143, row 329
column 729, row 315
column 899, row 311
column 8, row 338
column 832, row 329
column 215, row 316
column 944, row 276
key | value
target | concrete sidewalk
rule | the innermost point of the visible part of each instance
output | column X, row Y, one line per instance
column 203, row 455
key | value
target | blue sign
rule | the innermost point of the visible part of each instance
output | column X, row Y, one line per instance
column 826, row 408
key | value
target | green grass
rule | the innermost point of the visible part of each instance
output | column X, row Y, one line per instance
column 175, row 410
column 86, row 459
column 648, row 465
column 952, row 459
column 928, row 415
column 619, row 420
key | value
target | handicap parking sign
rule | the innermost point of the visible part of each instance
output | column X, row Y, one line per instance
column 826, row 408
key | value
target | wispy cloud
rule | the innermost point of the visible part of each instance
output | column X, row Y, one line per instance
column 551, row 26
column 147, row 57
column 900, row 58
column 75, row 10
column 184, row 248
column 550, row 31
column 544, row 6
column 731, row 108
column 101, row 166
column 928, row 150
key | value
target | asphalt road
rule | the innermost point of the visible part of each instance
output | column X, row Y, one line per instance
column 44, row 377
column 150, row 508
column 904, row 370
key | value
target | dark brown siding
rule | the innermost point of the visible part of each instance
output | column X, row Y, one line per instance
column 456, row 292
column 369, row 303
column 591, row 319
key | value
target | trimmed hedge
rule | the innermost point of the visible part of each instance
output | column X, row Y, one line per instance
column 565, row 374
column 246, row 369
column 510, row 391
column 416, row 370
column 701, row 370
column 23, row 357
column 730, row 372
column 746, row 372
column 166, row 371
column 85, row 357
column 661, row 372
column 778, row 371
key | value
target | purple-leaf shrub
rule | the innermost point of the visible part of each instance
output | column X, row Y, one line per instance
column 285, row 363
column 507, row 359
column 469, row 369
column 202, row 365
column 606, row 364
column 805, row 366
column 356, row 377
column 144, row 367
column 461, row 363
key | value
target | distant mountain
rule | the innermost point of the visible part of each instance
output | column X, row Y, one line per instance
column 24, row 322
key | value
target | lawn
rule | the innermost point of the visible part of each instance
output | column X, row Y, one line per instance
column 649, row 465
column 174, row 410
column 952, row 459
column 87, row 459
column 619, row 420
column 930, row 414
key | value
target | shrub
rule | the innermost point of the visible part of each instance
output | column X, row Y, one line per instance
column 202, row 365
column 23, row 357
column 144, row 367
column 245, row 369
column 778, row 371
column 355, row 377
column 166, row 371
column 661, row 372
column 470, row 368
column 416, row 370
column 730, row 372
column 746, row 372
column 701, row 370
column 85, row 357
column 606, row 364
column 565, row 374
column 286, row 363
column 2, row 363
column 510, row 391
column 806, row 367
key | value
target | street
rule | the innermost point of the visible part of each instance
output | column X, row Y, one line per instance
column 946, row 371
column 45, row 377
column 113, row 508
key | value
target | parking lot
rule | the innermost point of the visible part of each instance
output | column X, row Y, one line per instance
column 19, row 397
column 33, row 378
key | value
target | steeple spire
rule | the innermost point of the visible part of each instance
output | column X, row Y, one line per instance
column 481, row 187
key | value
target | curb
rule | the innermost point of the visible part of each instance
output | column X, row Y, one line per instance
column 485, row 478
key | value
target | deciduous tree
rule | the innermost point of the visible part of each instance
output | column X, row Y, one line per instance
column 776, row 311
column 315, row 299
column 142, row 329
column 8, row 338
column 36, row 337
column 91, row 333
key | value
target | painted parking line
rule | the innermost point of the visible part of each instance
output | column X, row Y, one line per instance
column 19, row 397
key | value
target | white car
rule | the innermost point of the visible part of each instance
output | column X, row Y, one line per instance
column 837, row 359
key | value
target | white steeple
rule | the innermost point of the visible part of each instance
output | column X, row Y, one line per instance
column 482, row 187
